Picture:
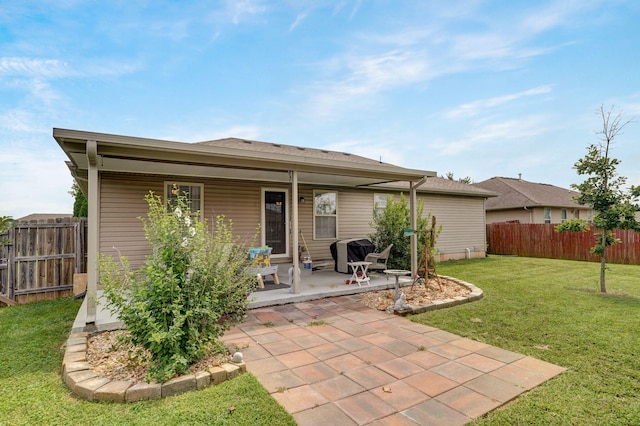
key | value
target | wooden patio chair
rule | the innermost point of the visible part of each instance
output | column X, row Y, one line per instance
column 378, row 260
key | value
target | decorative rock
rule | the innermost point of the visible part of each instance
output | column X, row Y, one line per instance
column 237, row 358
column 143, row 391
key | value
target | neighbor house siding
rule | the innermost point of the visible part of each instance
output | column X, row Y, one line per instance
column 520, row 214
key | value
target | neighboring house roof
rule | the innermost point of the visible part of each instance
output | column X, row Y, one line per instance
column 43, row 216
column 518, row 193
column 438, row 185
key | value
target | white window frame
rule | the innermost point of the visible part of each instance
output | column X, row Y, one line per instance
column 169, row 184
column 380, row 201
column 316, row 215
column 563, row 215
column 547, row 218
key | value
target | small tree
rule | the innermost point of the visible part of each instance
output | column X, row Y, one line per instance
column 466, row 180
column 192, row 288
column 603, row 190
column 389, row 225
column 5, row 224
column 80, row 206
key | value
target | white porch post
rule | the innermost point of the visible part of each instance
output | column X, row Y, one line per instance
column 295, row 230
column 92, row 231
column 414, row 226
column 413, row 206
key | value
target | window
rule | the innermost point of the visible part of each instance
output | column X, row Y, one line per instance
column 547, row 215
column 192, row 191
column 563, row 215
column 325, row 215
column 380, row 202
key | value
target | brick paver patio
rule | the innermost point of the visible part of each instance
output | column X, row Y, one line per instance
column 336, row 361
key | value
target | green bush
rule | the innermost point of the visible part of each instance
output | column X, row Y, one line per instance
column 192, row 288
column 389, row 225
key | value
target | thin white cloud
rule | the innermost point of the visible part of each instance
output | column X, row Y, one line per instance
column 238, row 9
column 476, row 139
column 20, row 120
column 366, row 76
column 297, row 21
column 471, row 109
column 34, row 67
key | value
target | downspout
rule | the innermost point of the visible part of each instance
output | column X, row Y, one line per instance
column 530, row 214
column 92, row 230
column 413, row 203
column 295, row 229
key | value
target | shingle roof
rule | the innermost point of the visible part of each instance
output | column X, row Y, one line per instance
column 518, row 193
column 289, row 150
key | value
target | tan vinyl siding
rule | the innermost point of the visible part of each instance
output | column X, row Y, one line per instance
column 522, row 215
column 462, row 221
column 121, row 205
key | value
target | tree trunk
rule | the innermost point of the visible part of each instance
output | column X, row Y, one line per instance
column 603, row 262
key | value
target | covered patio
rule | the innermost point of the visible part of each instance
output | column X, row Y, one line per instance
column 96, row 156
column 319, row 284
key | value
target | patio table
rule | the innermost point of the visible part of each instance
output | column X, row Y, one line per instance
column 359, row 275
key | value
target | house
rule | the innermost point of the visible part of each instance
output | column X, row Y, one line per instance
column 295, row 195
column 529, row 202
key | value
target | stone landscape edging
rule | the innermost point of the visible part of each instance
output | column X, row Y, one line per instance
column 476, row 294
column 85, row 383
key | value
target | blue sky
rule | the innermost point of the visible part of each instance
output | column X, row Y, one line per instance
column 477, row 88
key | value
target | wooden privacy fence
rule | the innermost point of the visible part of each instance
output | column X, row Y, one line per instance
column 541, row 240
column 41, row 259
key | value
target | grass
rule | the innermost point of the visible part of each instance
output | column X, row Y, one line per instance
column 552, row 310
column 32, row 392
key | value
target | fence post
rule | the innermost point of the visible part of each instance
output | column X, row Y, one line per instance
column 11, row 255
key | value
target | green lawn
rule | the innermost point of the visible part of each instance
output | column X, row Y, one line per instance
column 551, row 310
column 32, row 393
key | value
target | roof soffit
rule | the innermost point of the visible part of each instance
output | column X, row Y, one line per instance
column 137, row 155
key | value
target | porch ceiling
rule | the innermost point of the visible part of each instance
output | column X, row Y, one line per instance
column 158, row 157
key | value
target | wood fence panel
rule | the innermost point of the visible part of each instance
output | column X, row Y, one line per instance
column 41, row 259
column 541, row 240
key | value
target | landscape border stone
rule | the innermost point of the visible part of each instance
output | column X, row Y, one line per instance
column 476, row 294
column 87, row 384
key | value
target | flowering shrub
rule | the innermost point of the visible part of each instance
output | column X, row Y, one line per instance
column 192, row 288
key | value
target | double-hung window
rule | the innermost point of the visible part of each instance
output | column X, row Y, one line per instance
column 325, row 215
column 547, row 215
column 193, row 193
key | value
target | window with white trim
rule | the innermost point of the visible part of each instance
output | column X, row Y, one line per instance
column 380, row 202
column 193, row 192
column 563, row 215
column 547, row 215
column 325, row 215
